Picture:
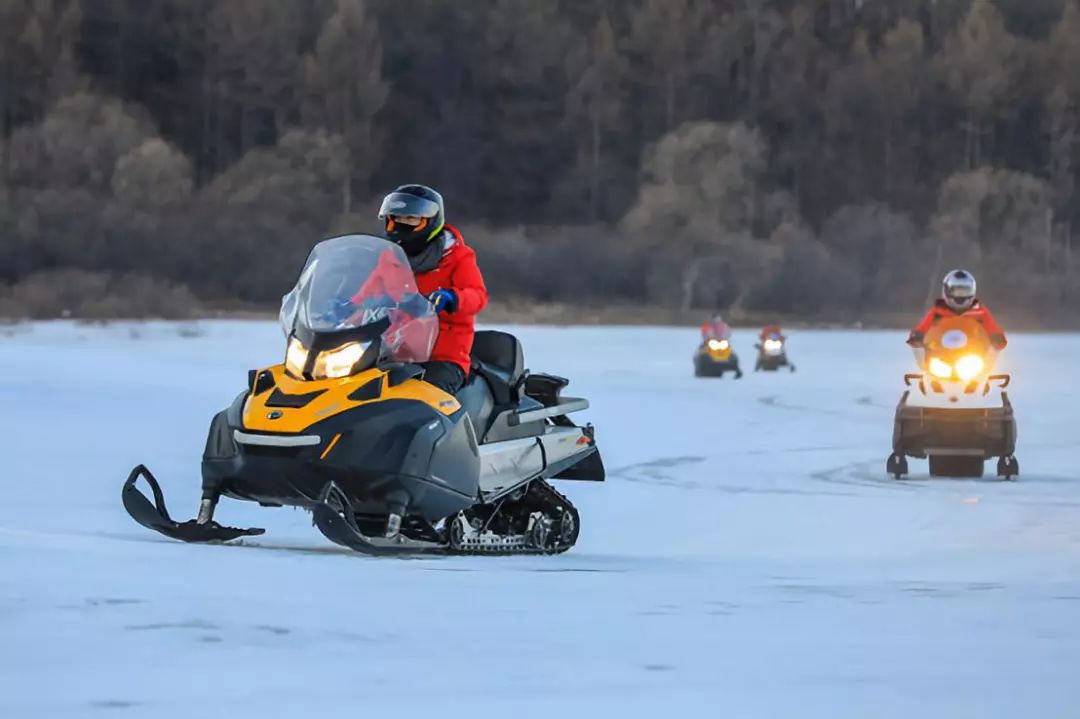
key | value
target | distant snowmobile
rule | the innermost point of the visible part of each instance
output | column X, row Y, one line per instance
column 714, row 358
column 387, row 463
column 956, row 411
column 772, row 350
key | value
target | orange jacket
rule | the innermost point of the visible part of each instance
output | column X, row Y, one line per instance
column 977, row 311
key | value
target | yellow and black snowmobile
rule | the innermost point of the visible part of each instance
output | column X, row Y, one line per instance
column 714, row 357
column 347, row 428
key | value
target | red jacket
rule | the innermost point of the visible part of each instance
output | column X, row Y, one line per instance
column 715, row 330
column 391, row 278
column 977, row 311
column 769, row 330
column 457, row 271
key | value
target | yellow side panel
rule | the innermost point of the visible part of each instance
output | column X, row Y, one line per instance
column 333, row 400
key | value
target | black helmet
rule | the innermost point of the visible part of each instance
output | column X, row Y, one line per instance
column 413, row 201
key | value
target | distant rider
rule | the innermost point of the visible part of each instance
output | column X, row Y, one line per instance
column 715, row 328
column 446, row 273
column 958, row 300
column 771, row 332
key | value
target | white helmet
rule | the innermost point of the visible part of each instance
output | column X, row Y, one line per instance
column 958, row 290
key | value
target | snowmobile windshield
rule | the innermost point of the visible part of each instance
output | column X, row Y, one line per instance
column 360, row 288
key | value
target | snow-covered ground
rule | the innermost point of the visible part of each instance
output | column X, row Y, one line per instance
column 748, row 557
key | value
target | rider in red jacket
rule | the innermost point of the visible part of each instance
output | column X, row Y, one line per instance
column 958, row 299
column 715, row 328
column 446, row 273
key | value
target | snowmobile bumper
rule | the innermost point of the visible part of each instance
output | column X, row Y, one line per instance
column 706, row 366
column 429, row 466
column 983, row 432
column 771, row 363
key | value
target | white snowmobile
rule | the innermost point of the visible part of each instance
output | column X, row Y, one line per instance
column 955, row 412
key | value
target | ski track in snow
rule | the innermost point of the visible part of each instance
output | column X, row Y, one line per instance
column 747, row 557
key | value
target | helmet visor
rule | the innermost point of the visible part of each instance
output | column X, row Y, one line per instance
column 400, row 204
column 962, row 290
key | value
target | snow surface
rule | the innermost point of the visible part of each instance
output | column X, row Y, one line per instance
column 748, row 557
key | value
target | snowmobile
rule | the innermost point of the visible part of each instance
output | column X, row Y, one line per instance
column 386, row 463
column 955, row 412
column 715, row 357
column 772, row 353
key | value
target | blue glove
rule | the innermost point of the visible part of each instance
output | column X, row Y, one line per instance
column 443, row 300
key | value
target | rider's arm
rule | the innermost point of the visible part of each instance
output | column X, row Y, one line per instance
column 920, row 330
column 997, row 335
column 468, row 284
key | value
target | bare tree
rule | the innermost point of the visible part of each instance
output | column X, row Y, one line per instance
column 345, row 90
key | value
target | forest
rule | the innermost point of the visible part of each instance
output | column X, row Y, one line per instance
column 810, row 158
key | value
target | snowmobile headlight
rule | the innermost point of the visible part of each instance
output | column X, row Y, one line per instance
column 969, row 367
column 772, row 345
column 337, row 363
column 296, row 355
column 940, row 368
column 718, row 345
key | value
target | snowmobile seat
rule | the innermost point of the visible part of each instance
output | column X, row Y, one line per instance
column 499, row 359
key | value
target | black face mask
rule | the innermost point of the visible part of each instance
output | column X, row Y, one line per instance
column 411, row 241
column 428, row 258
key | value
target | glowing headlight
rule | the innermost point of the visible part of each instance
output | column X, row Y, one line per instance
column 718, row 344
column 941, row 369
column 969, row 367
column 296, row 355
column 773, row 345
column 339, row 362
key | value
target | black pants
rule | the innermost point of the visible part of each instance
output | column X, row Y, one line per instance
column 447, row 376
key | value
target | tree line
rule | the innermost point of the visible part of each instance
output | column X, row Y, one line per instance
column 806, row 157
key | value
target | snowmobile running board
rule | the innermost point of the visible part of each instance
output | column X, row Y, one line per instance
column 156, row 517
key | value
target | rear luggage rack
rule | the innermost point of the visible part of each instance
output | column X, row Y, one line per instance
column 565, row 405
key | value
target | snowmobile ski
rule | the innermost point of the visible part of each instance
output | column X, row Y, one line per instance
column 155, row 516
